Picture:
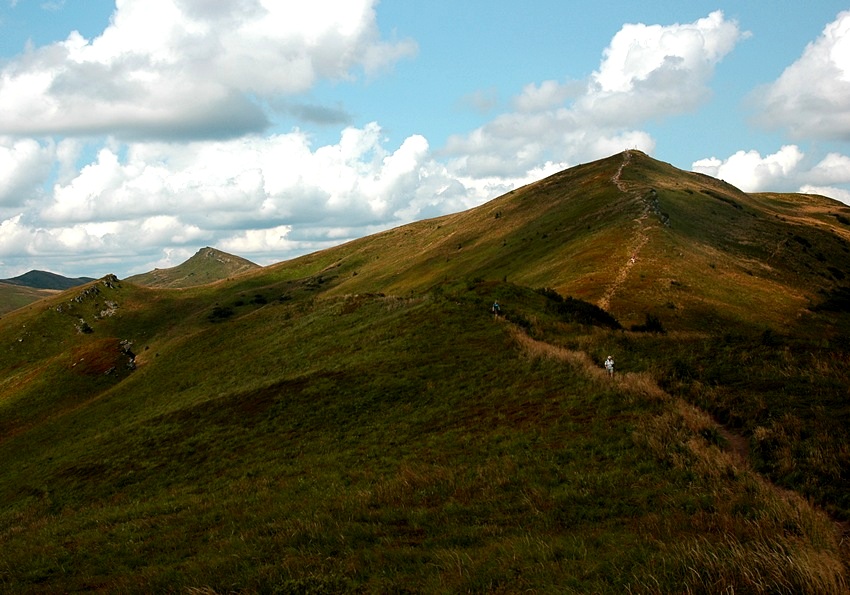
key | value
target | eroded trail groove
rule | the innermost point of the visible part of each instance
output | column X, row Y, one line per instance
column 638, row 239
column 638, row 384
column 692, row 425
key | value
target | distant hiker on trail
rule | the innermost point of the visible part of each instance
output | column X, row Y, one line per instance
column 609, row 366
column 496, row 309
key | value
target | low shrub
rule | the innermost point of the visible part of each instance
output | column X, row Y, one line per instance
column 652, row 324
column 579, row 311
column 220, row 313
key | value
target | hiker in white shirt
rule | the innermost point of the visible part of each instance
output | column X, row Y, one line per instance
column 609, row 366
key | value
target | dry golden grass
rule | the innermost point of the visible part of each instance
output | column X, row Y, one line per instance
column 788, row 547
column 633, row 384
column 733, row 566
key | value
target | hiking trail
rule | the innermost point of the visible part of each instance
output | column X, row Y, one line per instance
column 732, row 458
column 638, row 239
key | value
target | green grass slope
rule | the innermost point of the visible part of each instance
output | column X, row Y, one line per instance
column 369, row 444
column 208, row 265
column 30, row 287
column 628, row 233
column 357, row 421
column 13, row 297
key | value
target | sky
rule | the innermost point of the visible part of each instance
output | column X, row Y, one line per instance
column 135, row 132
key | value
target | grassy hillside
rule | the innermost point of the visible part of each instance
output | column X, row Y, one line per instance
column 206, row 266
column 629, row 233
column 13, row 297
column 32, row 286
column 357, row 420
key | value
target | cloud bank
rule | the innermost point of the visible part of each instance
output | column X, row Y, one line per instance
column 810, row 98
column 131, row 150
column 176, row 69
column 809, row 101
column 646, row 72
column 786, row 170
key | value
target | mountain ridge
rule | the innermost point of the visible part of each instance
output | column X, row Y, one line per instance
column 46, row 280
column 32, row 286
column 359, row 420
column 207, row 265
column 593, row 235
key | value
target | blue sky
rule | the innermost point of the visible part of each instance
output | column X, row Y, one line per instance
column 133, row 133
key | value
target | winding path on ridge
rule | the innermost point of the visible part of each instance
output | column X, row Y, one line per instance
column 641, row 385
column 636, row 384
column 636, row 242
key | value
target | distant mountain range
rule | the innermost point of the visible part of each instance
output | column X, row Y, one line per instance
column 46, row 280
column 208, row 265
column 33, row 286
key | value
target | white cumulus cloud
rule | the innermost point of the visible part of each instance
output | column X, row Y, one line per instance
column 810, row 98
column 189, row 68
column 246, row 181
column 546, row 95
column 269, row 197
column 651, row 71
column 787, row 170
column 647, row 72
column 832, row 169
column 751, row 172
column 259, row 241
column 25, row 164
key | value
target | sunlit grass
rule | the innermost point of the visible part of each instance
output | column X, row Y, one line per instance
column 330, row 435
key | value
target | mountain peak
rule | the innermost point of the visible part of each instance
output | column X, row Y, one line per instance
column 207, row 265
column 628, row 233
column 46, row 280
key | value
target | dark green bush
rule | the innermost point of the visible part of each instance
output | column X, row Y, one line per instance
column 652, row 324
column 575, row 310
column 220, row 313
